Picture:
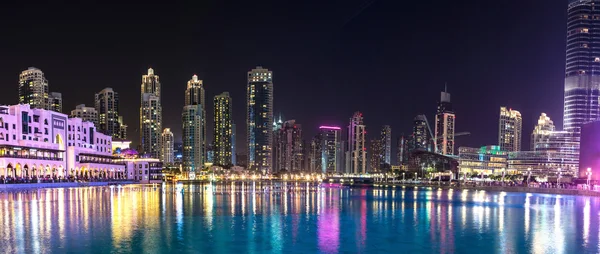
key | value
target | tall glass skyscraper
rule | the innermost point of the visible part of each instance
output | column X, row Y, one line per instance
column 193, row 119
column 259, row 119
column 223, row 130
column 582, row 83
column 107, row 107
column 386, row 144
column 357, row 147
column 444, row 126
column 510, row 130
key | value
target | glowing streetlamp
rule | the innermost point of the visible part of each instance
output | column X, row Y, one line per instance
column 403, row 178
column 415, row 176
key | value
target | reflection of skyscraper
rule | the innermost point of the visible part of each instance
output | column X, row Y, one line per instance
column 259, row 119
column 510, row 129
column 582, row 82
column 444, row 126
column 150, row 115
column 357, row 148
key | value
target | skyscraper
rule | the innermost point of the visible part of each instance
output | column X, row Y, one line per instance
column 150, row 115
column 402, row 150
column 87, row 114
column 109, row 120
column 223, row 130
column 194, row 126
column 376, row 158
column 386, row 144
column 421, row 138
column 542, row 131
column 330, row 138
column 168, row 150
column 55, row 102
column 288, row 147
column 510, row 130
column 444, row 126
column 582, row 82
column 314, row 161
column 357, row 149
column 33, row 89
column 259, row 118
column 233, row 145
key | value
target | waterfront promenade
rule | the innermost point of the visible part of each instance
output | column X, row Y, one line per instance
column 523, row 189
column 60, row 185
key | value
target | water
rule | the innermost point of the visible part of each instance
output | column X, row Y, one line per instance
column 225, row 219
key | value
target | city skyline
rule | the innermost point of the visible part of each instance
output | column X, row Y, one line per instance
column 219, row 77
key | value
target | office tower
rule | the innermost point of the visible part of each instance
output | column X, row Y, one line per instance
column 109, row 120
column 376, row 158
column 314, row 155
column 210, row 154
column 233, row 145
column 150, row 115
column 510, row 129
column 192, row 137
column 402, row 150
column 33, row 89
column 223, row 130
column 444, row 126
column 87, row 114
column 194, row 126
column 55, row 102
column 386, row 144
column 168, row 148
column 542, row 131
column 357, row 144
column 259, row 118
column 178, row 153
column 288, row 147
column 422, row 136
column 330, row 138
column 582, row 92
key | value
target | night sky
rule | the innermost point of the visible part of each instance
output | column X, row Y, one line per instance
column 387, row 58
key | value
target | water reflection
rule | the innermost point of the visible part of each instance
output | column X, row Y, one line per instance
column 263, row 218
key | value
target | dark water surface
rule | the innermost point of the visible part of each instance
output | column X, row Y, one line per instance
column 233, row 219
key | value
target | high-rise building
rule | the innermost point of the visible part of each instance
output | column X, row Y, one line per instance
column 193, row 138
column 233, row 145
column 421, row 138
column 330, row 138
column 288, row 147
column 541, row 132
column 510, row 130
column 386, row 144
column 33, row 89
column 357, row 149
column 194, row 126
column 259, row 118
column 582, row 92
column 314, row 155
column 150, row 115
column 87, row 114
column 444, row 126
column 109, row 120
column 402, row 150
column 223, row 130
column 376, row 156
column 56, row 103
column 168, row 151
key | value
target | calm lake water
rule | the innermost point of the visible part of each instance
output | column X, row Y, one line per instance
column 233, row 219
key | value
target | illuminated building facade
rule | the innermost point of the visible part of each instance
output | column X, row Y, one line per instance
column 376, row 155
column 87, row 114
column 330, row 147
column 386, row 144
column 402, row 150
column 56, row 103
column 168, row 143
column 259, row 118
column 422, row 136
column 487, row 160
column 289, row 148
column 109, row 120
column 510, row 130
column 47, row 144
column 444, row 126
column 357, row 148
column 223, row 131
column 33, row 88
column 542, row 131
column 582, row 82
column 315, row 161
column 150, row 115
column 193, row 138
column 590, row 151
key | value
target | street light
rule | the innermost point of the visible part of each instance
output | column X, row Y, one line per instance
column 415, row 177
column 528, row 175
column 503, row 171
column 403, row 178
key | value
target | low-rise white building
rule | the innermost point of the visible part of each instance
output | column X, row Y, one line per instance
column 47, row 144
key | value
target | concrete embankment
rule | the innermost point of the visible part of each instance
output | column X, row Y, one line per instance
column 56, row 185
column 507, row 189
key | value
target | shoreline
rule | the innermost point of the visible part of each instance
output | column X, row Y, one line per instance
column 24, row 186
column 553, row 191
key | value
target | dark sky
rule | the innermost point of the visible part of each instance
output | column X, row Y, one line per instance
column 387, row 58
